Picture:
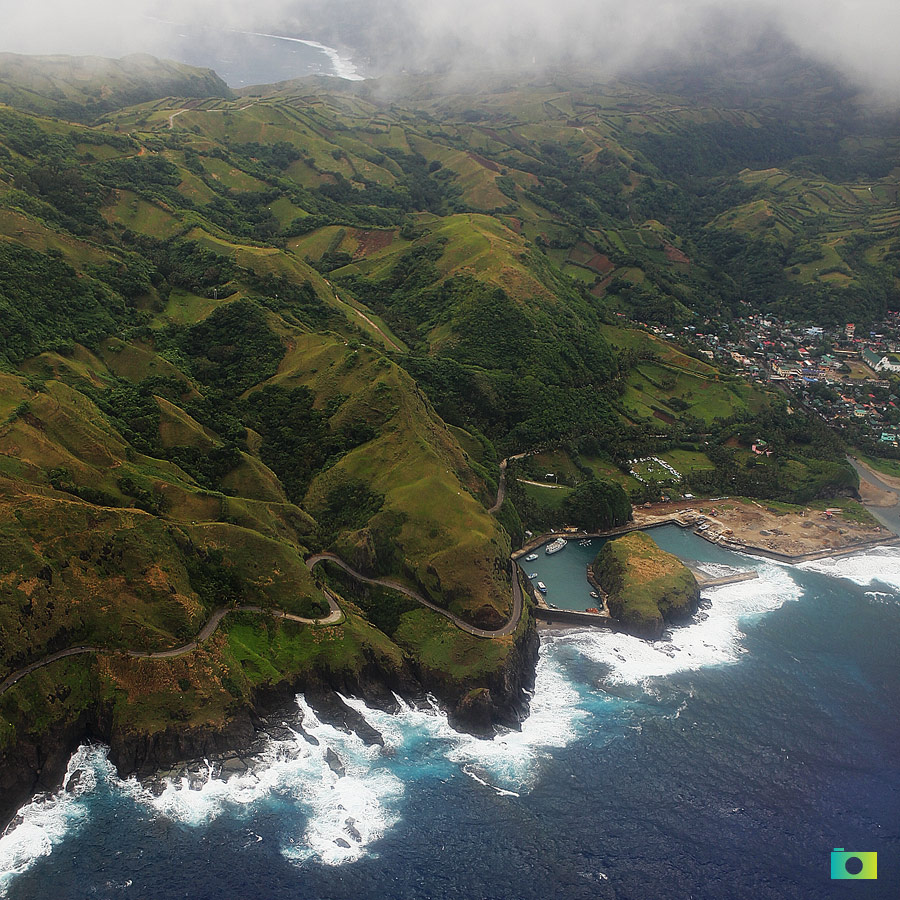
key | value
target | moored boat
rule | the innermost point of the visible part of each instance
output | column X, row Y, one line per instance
column 555, row 546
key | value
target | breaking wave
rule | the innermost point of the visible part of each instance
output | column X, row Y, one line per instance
column 44, row 822
column 715, row 638
column 343, row 68
column 337, row 797
column 881, row 565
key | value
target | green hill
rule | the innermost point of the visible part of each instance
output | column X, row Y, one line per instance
column 646, row 587
column 244, row 329
column 81, row 88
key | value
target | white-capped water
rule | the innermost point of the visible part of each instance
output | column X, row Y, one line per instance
column 344, row 813
column 880, row 564
column 343, row 68
column 508, row 763
column 717, row 570
column 340, row 816
column 46, row 820
column 714, row 639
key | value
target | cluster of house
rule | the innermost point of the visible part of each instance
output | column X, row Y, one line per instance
column 876, row 415
column 856, row 367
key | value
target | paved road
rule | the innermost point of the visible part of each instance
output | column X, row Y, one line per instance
column 889, row 516
column 206, row 632
column 508, row 628
column 501, row 487
column 333, row 616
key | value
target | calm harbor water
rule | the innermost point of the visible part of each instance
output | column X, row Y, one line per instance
column 725, row 761
column 565, row 573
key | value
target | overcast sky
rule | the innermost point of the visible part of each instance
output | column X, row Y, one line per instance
column 858, row 36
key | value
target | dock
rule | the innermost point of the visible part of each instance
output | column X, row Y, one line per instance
column 705, row 581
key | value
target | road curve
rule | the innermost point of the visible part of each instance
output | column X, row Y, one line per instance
column 205, row 633
column 501, row 486
column 506, row 629
column 332, row 618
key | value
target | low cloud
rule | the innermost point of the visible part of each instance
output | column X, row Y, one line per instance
column 857, row 36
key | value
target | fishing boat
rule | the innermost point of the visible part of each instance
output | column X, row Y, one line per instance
column 556, row 546
column 542, row 587
column 531, row 557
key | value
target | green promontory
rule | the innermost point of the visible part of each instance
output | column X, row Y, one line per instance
column 646, row 586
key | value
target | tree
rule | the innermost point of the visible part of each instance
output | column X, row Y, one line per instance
column 596, row 505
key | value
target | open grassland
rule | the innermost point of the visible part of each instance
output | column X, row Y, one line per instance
column 547, row 498
column 449, row 544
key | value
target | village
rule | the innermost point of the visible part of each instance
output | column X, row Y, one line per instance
column 850, row 378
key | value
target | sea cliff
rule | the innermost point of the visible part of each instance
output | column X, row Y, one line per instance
column 476, row 704
column 646, row 587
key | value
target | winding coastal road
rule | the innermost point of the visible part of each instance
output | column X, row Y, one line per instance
column 508, row 628
column 462, row 624
column 334, row 615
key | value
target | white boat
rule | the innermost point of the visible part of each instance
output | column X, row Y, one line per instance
column 531, row 557
column 556, row 546
column 542, row 587
column 533, row 575
column 595, row 595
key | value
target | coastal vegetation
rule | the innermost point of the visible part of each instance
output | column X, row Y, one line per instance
column 238, row 331
column 646, row 587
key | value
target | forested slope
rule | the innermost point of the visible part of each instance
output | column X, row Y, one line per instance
column 240, row 330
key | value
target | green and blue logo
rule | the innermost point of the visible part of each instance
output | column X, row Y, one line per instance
column 853, row 865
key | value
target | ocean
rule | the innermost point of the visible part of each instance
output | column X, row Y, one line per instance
column 727, row 761
column 245, row 58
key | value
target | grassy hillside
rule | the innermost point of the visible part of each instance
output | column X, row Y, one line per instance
column 646, row 587
column 241, row 329
column 83, row 88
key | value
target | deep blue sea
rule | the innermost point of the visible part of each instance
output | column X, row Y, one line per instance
column 726, row 762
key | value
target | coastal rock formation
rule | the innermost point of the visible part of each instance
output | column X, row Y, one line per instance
column 477, row 706
column 646, row 586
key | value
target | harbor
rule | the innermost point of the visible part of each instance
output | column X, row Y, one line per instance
column 573, row 596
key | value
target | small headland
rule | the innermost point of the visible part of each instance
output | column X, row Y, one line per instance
column 646, row 587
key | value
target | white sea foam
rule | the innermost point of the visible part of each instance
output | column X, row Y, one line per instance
column 47, row 820
column 513, row 759
column 717, row 570
column 343, row 68
column 345, row 812
column 880, row 564
column 714, row 639
column 510, row 762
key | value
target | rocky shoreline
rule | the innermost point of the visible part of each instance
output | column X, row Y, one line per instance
column 37, row 766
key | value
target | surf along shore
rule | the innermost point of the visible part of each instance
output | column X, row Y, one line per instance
column 777, row 531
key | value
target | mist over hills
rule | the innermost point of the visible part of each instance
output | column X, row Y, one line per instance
column 390, row 36
column 246, row 327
